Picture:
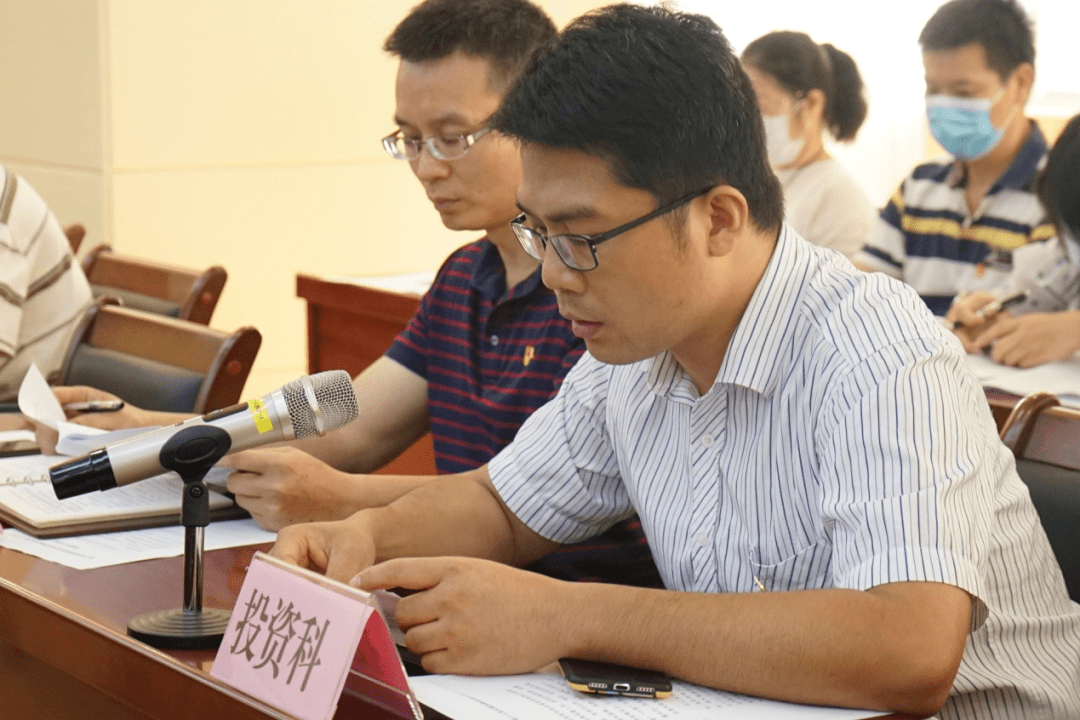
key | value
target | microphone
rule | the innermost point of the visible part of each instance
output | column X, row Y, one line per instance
column 311, row 405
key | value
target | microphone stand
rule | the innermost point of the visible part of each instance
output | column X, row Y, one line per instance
column 190, row 453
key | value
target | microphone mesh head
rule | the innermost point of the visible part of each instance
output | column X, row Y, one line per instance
column 334, row 397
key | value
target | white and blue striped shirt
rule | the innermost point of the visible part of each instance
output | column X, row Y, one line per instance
column 844, row 444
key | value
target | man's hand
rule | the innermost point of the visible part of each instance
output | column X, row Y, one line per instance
column 127, row 417
column 1033, row 339
column 339, row 550
column 968, row 323
column 475, row 617
column 283, row 486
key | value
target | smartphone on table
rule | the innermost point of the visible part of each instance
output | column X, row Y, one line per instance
column 608, row 679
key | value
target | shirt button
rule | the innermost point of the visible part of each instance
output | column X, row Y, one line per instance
column 707, row 440
column 702, row 539
column 494, row 340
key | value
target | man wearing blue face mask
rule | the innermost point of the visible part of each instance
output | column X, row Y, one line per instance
column 951, row 227
column 1045, row 325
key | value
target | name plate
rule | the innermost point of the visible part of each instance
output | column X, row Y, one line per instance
column 297, row 639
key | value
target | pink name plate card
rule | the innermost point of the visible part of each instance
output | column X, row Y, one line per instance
column 297, row 639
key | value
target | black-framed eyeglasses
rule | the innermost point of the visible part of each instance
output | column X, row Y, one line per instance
column 441, row 147
column 579, row 251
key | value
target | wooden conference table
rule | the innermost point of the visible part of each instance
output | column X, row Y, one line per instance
column 65, row 653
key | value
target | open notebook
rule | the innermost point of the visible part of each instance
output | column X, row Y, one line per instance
column 27, row 501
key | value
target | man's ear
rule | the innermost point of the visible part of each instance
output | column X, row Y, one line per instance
column 729, row 218
column 1024, row 77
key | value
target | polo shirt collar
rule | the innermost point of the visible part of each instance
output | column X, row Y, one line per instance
column 489, row 276
column 1026, row 162
column 1024, row 165
column 750, row 360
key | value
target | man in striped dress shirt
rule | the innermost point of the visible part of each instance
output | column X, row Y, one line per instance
column 818, row 474
column 952, row 226
column 43, row 292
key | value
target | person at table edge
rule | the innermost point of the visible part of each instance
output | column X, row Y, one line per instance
column 952, row 227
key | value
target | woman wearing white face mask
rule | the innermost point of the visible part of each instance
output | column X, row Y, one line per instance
column 805, row 89
column 1045, row 325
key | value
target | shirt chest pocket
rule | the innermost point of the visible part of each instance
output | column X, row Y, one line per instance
column 808, row 568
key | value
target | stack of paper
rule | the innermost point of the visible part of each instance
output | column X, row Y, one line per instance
column 545, row 696
column 1060, row 378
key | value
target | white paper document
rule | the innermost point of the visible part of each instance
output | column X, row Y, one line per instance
column 1060, row 378
column 17, row 435
column 36, row 502
column 25, row 491
column 37, row 402
column 546, row 696
column 407, row 283
column 84, row 552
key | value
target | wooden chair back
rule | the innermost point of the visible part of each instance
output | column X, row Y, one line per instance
column 155, row 287
column 159, row 363
column 1045, row 438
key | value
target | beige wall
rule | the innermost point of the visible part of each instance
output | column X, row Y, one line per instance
column 53, row 126
column 235, row 132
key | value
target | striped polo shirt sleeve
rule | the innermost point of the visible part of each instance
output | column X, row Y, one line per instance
column 412, row 346
column 885, row 247
column 43, row 292
column 560, row 475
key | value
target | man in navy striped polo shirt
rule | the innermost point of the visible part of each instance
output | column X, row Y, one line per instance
column 487, row 345
column 951, row 227
column 818, row 473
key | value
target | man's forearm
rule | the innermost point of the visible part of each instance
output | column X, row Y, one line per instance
column 375, row 491
column 828, row 647
column 393, row 414
column 354, row 451
column 451, row 515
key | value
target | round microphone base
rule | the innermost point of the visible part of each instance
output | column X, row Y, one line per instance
column 180, row 629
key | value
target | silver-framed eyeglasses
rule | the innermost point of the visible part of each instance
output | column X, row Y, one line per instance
column 441, row 147
column 579, row 251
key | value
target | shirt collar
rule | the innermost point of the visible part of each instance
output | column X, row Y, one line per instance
column 489, row 276
column 750, row 360
column 1024, row 165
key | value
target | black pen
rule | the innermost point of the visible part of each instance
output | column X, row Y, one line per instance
column 995, row 307
column 95, row 406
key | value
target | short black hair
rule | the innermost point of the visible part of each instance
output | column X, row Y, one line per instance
column 1000, row 26
column 656, row 93
column 800, row 65
column 1058, row 185
column 504, row 32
